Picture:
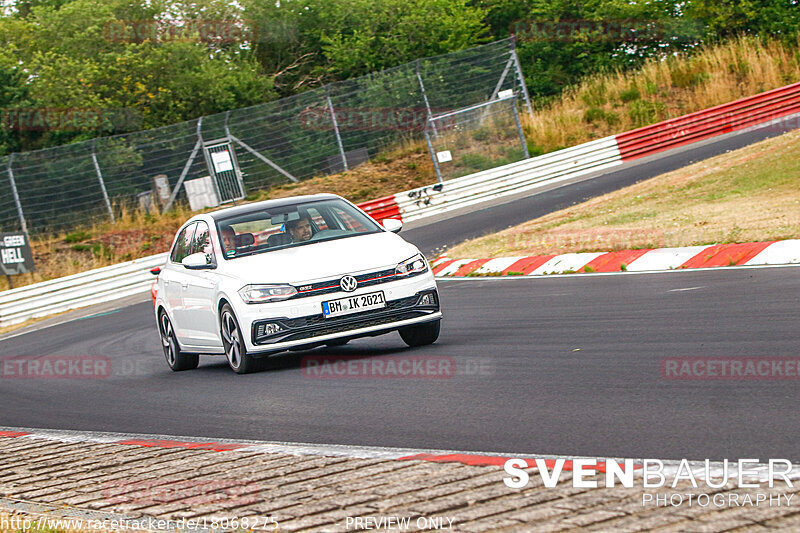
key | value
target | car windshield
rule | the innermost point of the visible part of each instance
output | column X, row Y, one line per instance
column 284, row 227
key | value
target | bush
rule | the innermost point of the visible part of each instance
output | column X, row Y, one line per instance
column 481, row 134
column 644, row 112
column 629, row 95
column 77, row 236
column 475, row 161
column 593, row 114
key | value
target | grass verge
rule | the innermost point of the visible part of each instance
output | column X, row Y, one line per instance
column 751, row 194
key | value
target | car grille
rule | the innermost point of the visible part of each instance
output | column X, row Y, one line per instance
column 317, row 325
column 363, row 323
column 332, row 285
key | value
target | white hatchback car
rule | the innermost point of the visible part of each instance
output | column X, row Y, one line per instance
column 293, row 273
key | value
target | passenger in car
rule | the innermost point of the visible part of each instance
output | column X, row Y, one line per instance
column 228, row 238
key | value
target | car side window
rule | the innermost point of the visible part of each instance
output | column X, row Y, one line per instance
column 347, row 222
column 201, row 242
column 183, row 244
column 317, row 218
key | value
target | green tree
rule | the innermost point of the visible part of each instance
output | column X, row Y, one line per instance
column 87, row 54
column 561, row 41
column 765, row 18
column 313, row 42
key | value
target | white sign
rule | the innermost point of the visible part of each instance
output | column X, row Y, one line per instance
column 444, row 157
column 162, row 186
column 222, row 161
column 508, row 93
column 201, row 193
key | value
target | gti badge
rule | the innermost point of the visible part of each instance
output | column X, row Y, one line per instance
column 348, row 283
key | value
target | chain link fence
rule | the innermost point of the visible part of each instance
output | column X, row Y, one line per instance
column 476, row 138
column 318, row 132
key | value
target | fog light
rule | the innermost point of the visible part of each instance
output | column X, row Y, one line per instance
column 267, row 329
column 427, row 299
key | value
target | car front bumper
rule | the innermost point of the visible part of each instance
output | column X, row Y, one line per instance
column 302, row 323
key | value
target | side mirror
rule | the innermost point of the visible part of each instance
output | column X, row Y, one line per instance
column 392, row 224
column 197, row 261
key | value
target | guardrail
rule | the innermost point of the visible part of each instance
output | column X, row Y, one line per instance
column 133, row 277
column 79, row 290
column 711, row 122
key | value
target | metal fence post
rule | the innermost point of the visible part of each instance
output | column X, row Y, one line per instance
column 100, row 179
column 188, row 164
column 335, row 126
column 433, row 156
column 22, row 223
column 425, row 96
column 256, row 153
column 519, row 75
column 502, row 79
column 519, row 129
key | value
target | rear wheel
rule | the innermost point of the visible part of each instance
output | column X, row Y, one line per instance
column 235, row 350
column 422, row 334
column 176, row 359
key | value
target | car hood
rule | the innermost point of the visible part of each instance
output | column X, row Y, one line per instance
column 322, row 260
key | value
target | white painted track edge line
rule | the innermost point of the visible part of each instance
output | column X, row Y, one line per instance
column 597, row 274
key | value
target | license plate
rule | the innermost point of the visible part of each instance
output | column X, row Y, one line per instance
column 354, row 304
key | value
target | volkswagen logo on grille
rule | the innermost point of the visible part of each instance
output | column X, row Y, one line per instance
column 348, row 283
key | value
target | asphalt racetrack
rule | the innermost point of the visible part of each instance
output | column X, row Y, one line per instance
column 547, row 366
column 554, row 365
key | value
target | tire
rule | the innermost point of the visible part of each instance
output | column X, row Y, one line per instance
column 176, row 359
column 422, row 334
column 235, row 350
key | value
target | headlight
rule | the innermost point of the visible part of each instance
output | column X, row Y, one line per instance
column 258, row 294
column 415, row 265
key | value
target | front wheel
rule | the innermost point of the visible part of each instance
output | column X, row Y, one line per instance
column 235, row 350
column 176, row 359
column 422, row 334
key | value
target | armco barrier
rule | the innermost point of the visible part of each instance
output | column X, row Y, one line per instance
column 510, row 179
column 79, row 290
column 118, row 281
column 497, row 182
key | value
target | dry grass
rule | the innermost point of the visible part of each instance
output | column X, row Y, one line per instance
column 751, row 194
column 407, row 166
column 608, row 104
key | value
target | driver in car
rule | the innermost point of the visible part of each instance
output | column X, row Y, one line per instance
column 300, row 229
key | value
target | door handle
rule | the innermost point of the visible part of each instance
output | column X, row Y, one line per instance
column 185, row 285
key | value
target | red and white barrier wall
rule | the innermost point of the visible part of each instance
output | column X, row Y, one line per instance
column 589, row 157
column 646, row 260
